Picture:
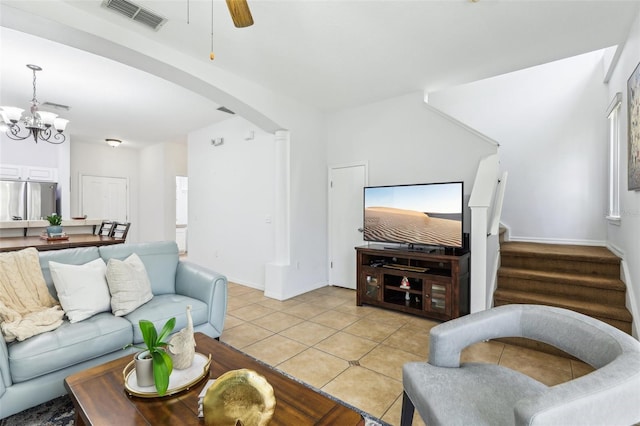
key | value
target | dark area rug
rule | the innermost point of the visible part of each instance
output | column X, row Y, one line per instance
column 57, row 412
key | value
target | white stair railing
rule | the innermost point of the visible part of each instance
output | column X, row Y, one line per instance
column 485, row 203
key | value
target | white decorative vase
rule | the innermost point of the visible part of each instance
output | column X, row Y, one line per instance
column 182, row 345
column 144, row 369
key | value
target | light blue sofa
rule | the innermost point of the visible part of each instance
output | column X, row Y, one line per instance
column 33, row 371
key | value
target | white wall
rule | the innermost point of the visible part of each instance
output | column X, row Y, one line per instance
column 28, row 152
column 225, row 180
column 405, row 142
column 306, row 224
column 231, row 196
column 102, row 160
column 158, row 167
column 308, row 204
column 625, row 236
column 303, row 215
column 550, row 123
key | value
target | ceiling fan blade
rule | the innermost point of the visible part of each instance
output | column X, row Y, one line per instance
column 240, row 13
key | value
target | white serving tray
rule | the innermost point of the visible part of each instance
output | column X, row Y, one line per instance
column 179, row 380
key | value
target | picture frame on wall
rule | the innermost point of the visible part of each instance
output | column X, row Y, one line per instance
column 633, row 99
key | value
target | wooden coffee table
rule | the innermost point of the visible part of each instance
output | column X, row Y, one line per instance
column 99, row 397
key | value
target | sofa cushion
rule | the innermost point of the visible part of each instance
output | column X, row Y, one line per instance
column 128, row 284
column 161, row 308
column 160, row 260
column 82, row 289
column 74, row 256
column 68, row 345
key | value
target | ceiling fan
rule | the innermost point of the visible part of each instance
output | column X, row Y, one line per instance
column 240, row 13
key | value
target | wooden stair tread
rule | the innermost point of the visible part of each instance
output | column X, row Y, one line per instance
column 585, row 307
column 596, row 281
column 594, row 254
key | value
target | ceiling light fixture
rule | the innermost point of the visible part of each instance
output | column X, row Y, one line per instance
column 38, row 124
column 113, row 143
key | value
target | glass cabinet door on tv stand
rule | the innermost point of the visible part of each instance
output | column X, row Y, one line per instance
column 434, row 285
column 372, row 283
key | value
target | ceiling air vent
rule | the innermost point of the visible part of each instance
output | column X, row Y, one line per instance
column 135, row 12
column 225, row 109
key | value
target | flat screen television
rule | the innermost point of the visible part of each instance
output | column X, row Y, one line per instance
column 429, row 214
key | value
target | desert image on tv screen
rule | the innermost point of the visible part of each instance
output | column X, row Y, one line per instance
column 414, row 214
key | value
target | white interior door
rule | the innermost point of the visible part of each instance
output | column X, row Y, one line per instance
column 104, row 198
column 345, row 222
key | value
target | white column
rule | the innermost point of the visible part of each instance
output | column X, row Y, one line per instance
column 276, row 271
column 282, row 194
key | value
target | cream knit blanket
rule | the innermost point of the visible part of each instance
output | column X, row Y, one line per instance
column 26, row 307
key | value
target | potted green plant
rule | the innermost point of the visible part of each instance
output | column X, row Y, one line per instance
column 54, row 227
column 155, row 354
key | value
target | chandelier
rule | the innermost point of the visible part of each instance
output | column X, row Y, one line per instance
column 38, row 124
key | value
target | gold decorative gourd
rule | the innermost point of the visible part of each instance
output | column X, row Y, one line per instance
column 239, row 397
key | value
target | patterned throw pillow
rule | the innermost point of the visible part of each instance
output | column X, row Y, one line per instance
column 128, row 284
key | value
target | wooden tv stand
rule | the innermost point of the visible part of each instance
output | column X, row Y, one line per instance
column 438, row 281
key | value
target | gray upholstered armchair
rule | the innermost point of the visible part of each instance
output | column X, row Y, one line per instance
column 445, row 392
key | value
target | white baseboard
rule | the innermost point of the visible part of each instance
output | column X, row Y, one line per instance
column 625, row 276
column 615, row 250
column 246, row 283
column 297, row 292
column 631, row 304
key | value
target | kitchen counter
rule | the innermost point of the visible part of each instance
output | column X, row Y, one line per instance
column 77, row 240
column 16, row 228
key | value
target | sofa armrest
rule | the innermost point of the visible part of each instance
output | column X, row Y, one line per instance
column 5, row 374
column 206, row 285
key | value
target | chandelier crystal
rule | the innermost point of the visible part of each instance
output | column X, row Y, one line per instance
column 42, row 125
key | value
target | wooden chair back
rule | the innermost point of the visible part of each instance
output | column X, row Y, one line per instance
column 120, row 230
column 106, row 228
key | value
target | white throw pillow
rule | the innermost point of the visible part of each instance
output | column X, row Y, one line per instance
column 128, row 283
column 82, row 289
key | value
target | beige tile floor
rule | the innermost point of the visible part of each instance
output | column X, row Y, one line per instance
column 356, row 353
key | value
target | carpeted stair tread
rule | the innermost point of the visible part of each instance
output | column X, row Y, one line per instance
column 588, row 260
column 594, row 254
column 595, row 281
column 584, row 279
column 588, row 308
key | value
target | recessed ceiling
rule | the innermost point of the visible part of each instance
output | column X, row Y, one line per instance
column 327, row 54
column 335, row 54
column 106, row 98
